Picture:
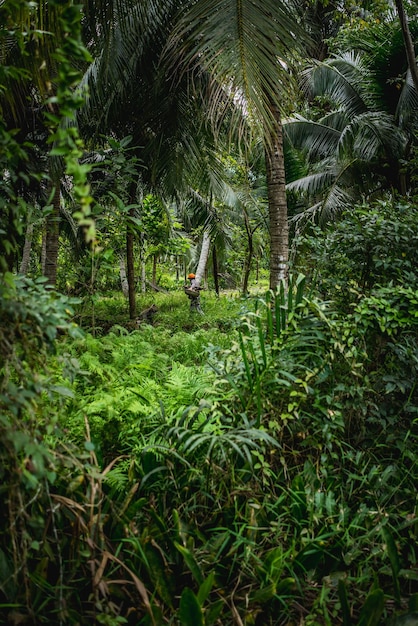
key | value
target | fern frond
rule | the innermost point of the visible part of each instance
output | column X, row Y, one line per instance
column 118, row 477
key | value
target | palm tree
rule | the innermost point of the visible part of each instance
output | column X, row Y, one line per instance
column 244, row 47
column 199, row 213
column 247, row 204
column 355, row 149
column 52, row 234
column 226, row 62
column 166, row 121
column 277, row 202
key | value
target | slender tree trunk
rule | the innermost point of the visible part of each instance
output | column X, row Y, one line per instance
column 123, row 276
column 52, row 236
column 24, row 264
column 203, row 258
column 215, row 270
column 409, row 44
column 130, row 267
column 43, row 251
column 154, row 269
column 276, row 190
column 200, row 273
column 249, row 255
column 143, row 276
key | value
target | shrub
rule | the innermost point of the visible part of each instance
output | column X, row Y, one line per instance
column 369, row 246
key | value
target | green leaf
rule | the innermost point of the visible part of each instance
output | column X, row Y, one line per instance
column 190, row 562
column 372, row 609
column 285, row 586
column 205, row 588
column 213, row 613
column 261, row 596
column 63, row 391
column 394, row 560
column 163, row 582
column 345, row 608
column 190, row 612
column 413, row 603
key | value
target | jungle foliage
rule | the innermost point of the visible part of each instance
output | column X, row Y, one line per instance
column 258, row 461
column 253, row 465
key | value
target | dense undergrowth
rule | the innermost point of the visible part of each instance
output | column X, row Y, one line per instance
column 255, row 465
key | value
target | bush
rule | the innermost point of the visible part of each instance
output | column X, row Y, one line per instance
column 370, row 246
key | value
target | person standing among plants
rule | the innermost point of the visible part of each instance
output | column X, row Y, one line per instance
column 192, row 291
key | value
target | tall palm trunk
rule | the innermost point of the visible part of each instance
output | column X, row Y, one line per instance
column 203, row 258
column 194, row 296
column 277, row 203
column 43, row 251
column 52, row 236
column 142, row 263
column 177, row 268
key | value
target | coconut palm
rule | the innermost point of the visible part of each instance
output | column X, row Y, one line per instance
column 159, row 63
column 166, row 119
column 355, row 149
column 245, row 46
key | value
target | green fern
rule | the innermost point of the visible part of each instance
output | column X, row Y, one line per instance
column 118, row 476
column 186, row 385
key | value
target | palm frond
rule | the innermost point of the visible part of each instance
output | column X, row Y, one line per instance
column 337, row 119
column 218, row 443
column 334, row 185
column 371, row 134
column 121, row 36
column 239, row 43
column 406, row 110
column 348, row 150
column 334, row 201
column 316, row 138
column 341, row 79
column 312, row 184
